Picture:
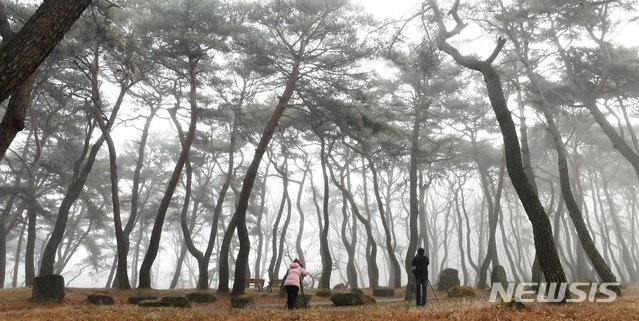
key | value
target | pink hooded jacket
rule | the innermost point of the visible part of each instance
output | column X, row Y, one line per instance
column 294, row 275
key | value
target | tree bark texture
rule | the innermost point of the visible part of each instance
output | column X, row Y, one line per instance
column 542, row 229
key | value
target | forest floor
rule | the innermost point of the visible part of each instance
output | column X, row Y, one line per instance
column 16, row 304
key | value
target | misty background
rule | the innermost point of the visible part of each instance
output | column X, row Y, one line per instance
column 385, row 145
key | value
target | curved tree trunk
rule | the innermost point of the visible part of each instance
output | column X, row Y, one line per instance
column 80, row 175
column 542, row 229
column 251, row 173
column 22, row 54
column 325, row 253
column 300, row 210
column 122, row 246
column 395, row 269
column 491, row 255
column 574, row 210
column 413, row 211
column 135, row 187
column 371, row 260
column 154, row 241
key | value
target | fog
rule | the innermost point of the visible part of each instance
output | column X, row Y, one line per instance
column 165, row 132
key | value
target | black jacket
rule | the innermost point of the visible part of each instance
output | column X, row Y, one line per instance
column 420, row 266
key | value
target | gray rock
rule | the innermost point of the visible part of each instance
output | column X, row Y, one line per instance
column 347, row 299
column 48, row 289
column 448, row 279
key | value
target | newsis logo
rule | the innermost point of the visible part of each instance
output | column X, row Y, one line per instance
column 573, row 292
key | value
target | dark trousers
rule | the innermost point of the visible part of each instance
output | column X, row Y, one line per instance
column 291, row 296
column 421, row 286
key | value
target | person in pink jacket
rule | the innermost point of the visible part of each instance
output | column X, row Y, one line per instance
column 293, row 282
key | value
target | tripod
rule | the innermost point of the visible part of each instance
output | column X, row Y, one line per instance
column 435, row 295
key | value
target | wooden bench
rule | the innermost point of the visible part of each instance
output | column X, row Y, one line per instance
column 273, row 283
column 258, row 283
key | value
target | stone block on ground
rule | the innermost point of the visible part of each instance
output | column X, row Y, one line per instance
column 201, row 297
column 448, row 279
column 498, row 275
column 242, row 301
column 167, row 302
column 325, row 293
column 347, row 299
column 48, row 289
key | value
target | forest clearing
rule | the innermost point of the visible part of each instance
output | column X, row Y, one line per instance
column 16, row 304
column 160, row 146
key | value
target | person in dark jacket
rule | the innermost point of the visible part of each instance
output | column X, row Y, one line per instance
column 420, row 270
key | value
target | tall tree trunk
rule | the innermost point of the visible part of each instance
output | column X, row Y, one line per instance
column 156, row 233
column 413, row 212
column 80, row 175
column 259, row 268
column 187, row 244
column 122, row 246
column 14, row 281
column 178, row 266
column 606, row 238
column 394, row 263
column 251, row 173
column 371, row 259
column 300, row 210
column 491, row 254
column 223, row 260
column 460, row 236
column 628, row 262
column 537, row 274
column 135, row 187
column 276, row 257
column 22, row 53
column 574, row 210
column 350, row 246
column 325, row 253
column 542, row 230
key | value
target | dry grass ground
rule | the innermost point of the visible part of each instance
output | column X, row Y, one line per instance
column 15, row 304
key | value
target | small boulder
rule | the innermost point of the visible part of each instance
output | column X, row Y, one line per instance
column 498, row 275
column 201, row 297
column 167, row 302
column 347, row 299
column 241, row 301
column 48, row 289
column 448, row 279
column 325, row 293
